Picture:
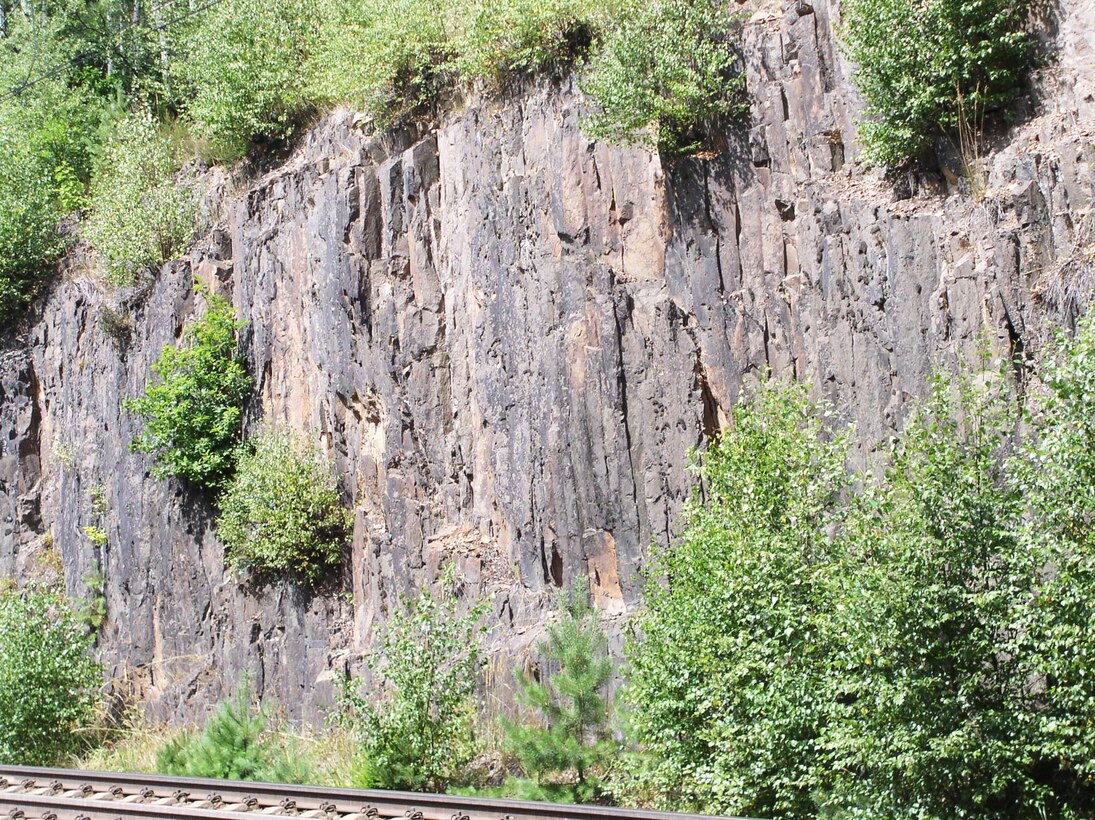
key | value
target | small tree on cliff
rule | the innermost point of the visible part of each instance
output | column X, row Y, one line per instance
column 570, row 745
column 417, row 730
column 192, row 411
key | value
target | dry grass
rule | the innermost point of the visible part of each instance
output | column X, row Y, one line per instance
column 132, row 744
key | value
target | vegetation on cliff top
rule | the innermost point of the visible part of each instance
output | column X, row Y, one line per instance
column 109, row 96
column 79, row 79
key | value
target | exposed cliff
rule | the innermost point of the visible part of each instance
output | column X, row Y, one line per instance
column 508, row 338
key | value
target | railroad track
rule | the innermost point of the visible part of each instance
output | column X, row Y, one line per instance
column 63, row 794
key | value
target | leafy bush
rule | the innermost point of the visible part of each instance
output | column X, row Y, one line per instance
column 571, row 748
column 48, row 679
column 234, row 745
column 139, row 216
column 728, row 679
column 389, row 55
column 1057, row 477
column 282, row 513
column 418, row 734
column 929, row 705
column 669, row 68
column 193, row 409
column 45, row 148
column 916, row 60
column 30, row 243
column 519, row 37
column 916, row 644
column 244, row 63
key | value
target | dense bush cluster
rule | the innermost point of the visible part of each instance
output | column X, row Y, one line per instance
column 193, row 409
column 243, row 68
column 912, row 644
column 925, row 66
column 49, row 682
column 281, row 513
column 669, row 69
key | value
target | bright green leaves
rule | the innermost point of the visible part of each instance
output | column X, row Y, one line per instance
column 726, row 678
column 49, row 682
column 244, row 63
column 417, row 731
column 192, row 410
column 667, row 70
column 391, row 57
column 281, row 513
column 913, row 644
column 915, row 60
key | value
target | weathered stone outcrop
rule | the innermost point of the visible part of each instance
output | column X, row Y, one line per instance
column 508, row 338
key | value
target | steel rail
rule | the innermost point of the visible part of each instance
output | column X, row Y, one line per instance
column 64, row 794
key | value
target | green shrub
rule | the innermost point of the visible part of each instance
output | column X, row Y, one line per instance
column 916, row 58
column 192, row 410
column 49, row 681
column 45, row 146
column 669, row 69
column 30, row 243
column 244, row 63
column 418, row 731
column 139, row 216
column 520, row 37
column 1057, row 477
column 570, row 749
column 281, row 513
column 389, row 55
column 235, row 745
column 729, row 674
column 930, row 712
column 916, row 644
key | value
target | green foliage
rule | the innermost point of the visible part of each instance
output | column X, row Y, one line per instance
column 418, row 732
column 930, row 709
column 570, row 748
column 1057, row 478
column 281, row 512
column 92, row 610
column 389, row 55
column 244, row 65
column 192, row 411
column 668, row 69
column 48, row 679
column 234, row 745
column 916, row 644
column 517, row 38
column 139, row 216
column 44, row 156
column 728, row 672
column 915, row 60
column 30, row 244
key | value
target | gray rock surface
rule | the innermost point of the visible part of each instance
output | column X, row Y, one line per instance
column 508, row 338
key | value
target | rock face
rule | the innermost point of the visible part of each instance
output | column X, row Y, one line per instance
column 507, row 339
